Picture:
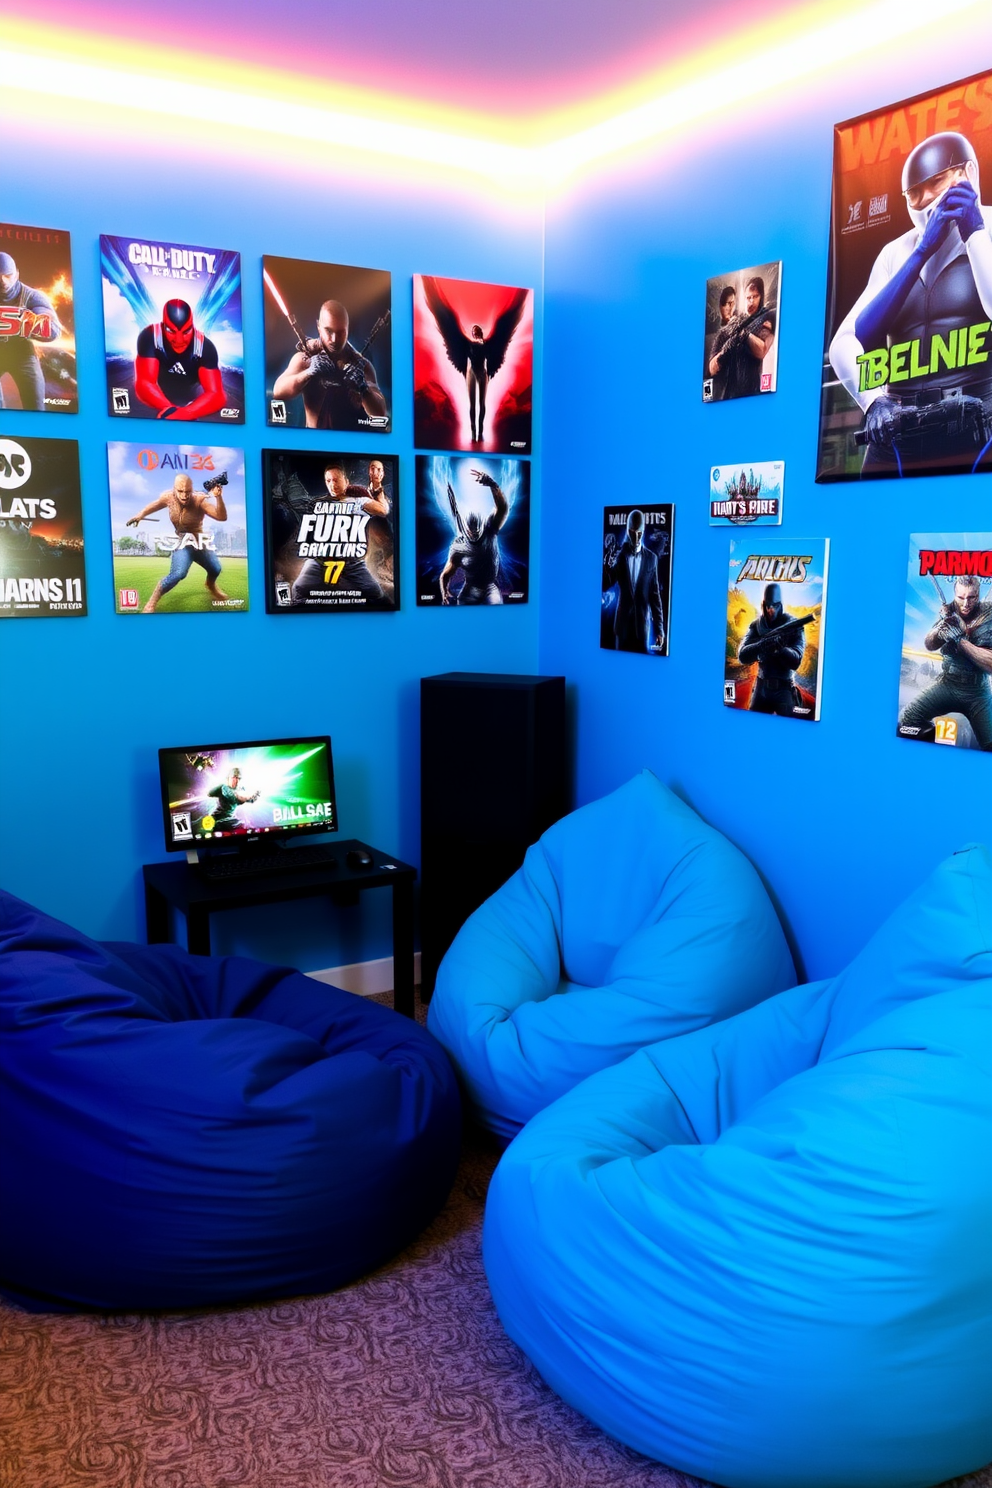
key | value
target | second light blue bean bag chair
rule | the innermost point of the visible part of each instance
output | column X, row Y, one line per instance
column 177, row 1130
column 630, row 921
column 762, row 1253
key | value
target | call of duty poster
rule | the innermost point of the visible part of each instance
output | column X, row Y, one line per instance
column 331, row 531
column 328, row 346
column 473, row 531
column 740, row 344
column 907, row 377
column 747, row 495
column 41, row 529
column 473, row 372
column 637, row 578
column 776, row 608
column 179, row 528
column 945, row 682
column 37, row 339
column 172, row 324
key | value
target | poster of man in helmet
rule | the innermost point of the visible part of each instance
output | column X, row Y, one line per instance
column 172, row 326
column 907, row 367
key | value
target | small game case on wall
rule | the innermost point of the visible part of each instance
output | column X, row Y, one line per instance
column 776, row 602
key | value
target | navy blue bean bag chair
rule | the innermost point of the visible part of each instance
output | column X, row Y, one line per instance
column 177, row 1130
column 763, row 1252
column 630, row 921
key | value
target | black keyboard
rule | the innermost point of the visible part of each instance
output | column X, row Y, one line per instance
column 255, row 865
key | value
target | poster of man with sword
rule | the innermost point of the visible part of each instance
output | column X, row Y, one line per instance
column 328, row 349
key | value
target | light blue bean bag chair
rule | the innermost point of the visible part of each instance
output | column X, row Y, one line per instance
column 763, row 1252
column 630, row 921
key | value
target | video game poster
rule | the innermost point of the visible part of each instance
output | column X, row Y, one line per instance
column 945, row 686
column 776, row 613
column 37, row 336
column 331, row 531
column 473, row 531
column 740, row 339
column 172, row 326
column 328, row 346
column 473, row 366
column 749, row 494
column 42, row 573
column 907, row 379
column 638, row 547
column 179, row 528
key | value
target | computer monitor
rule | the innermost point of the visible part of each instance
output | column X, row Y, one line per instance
column 220, row 796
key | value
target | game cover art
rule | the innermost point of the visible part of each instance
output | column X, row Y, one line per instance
column 740, row 342
column 232, row 792
column 907, row 377
column 747, row 495
column 473, row 373
column 179, row 528
column 172, row 323
column 637, row 578
column 473, row 531
column 945, row 682
column 331, row 531
column 328, row 346
column 41, row 529
column 37, row 339
column 776, row 605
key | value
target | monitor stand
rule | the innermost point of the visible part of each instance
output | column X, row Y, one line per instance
column 192, row 856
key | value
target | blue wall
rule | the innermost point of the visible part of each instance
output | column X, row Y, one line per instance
column 86, row 702
column 842, row 818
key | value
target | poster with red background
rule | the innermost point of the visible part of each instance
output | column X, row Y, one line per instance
column 473, row 366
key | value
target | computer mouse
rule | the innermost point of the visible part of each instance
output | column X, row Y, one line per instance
column 359, row 858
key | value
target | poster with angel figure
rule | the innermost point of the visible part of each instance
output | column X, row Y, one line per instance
column 473, row 366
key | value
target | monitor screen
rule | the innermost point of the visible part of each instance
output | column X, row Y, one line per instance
column 218, row 795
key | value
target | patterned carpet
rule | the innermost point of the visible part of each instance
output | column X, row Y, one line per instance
column 404, row 1380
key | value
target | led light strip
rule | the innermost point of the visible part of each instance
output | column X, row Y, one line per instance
column 34, row 60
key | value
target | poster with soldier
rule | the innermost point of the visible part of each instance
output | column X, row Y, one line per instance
column 907, row 381
column 328, row 346
column 740, row 340
column 945, row 680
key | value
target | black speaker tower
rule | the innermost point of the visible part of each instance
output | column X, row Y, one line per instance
column 493, row 777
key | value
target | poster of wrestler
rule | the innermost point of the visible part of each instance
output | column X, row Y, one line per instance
column 907, row 375
column 179, row 529
column 37, row 338
column 473, row 366
column 638, row 545
column 945, row 681
column 747, row 494
column 328, row 346
column 331, row 531
column 172, row 326
column 42, row 572
column 740, row 342
column 776, row 612
column 473, row 531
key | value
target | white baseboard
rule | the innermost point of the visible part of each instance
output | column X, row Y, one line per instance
column 364, row 977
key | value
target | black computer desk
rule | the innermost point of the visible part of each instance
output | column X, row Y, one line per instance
column 180, row 885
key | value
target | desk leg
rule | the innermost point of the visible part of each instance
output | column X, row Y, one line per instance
column 156, row 917
column 198, row 930
column 403, row 946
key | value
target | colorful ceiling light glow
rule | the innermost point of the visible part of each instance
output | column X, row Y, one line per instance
column 86, row 68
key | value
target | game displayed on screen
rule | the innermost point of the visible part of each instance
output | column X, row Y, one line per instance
column 217, row 792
